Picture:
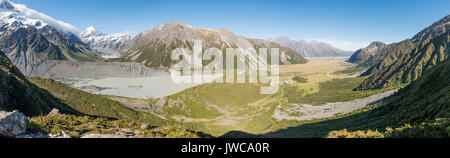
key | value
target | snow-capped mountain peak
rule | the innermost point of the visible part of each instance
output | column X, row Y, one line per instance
column 90, row 29
column 18, row 15
column 92, row 35
column 106, row 44
column 6, row 4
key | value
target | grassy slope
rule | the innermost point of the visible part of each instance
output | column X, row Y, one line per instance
column 348, row 71
column 336, row 90
column 220, row 108
column 92, row 104
column 17, row 93
column 84, row 102
column 424, row 100
column 409, row 66
column 403, row 62
column 35, row 96
column 245, row 109
column 78, row 126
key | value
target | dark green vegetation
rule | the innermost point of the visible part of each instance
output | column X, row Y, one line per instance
column 349, row 71
column 336, row 90
column 96, row 105
column 300, row 79
column 409, row 67
column 85, row 102
column 17, row 93
column 419, row 110
column 401, row 63
column 416, row 108
column 423, row 101
column 78, row 126
column 433, row 129
column 86, row 113
column 212, row 100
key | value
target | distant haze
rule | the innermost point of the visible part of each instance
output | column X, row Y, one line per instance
column 311, row 48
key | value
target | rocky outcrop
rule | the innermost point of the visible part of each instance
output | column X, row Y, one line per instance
column 13, row 124
column 54, row 112
column 27, row 47
column 364, row 54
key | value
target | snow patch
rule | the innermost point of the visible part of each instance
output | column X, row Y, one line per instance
column 34, row 15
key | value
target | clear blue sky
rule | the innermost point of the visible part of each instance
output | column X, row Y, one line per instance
column 352, row 21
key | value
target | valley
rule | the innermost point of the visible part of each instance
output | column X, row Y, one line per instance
column 220, row 108
column 59, row 82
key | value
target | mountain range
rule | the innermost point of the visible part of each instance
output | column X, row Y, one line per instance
column 30, row 39
column 400, row 63
column 33, row 43
column 363, row 55
column 311, row 48
column 106, row 45
column 153, row 47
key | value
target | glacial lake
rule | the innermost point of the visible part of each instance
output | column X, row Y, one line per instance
column 155, row 86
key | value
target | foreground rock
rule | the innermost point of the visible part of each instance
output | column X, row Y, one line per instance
column 13, row 124
column 54, row 112
column 62, row 134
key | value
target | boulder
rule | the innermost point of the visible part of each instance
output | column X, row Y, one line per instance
column 54, row 112
column 13, row 124
column 144, row 126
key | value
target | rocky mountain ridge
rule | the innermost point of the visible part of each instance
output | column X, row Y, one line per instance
column 154, row 47
column 28, row 38
column 311, row 48
column 403, row 62
column 107, row 45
